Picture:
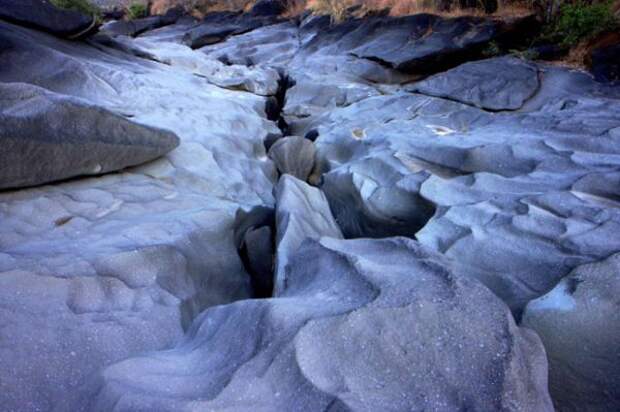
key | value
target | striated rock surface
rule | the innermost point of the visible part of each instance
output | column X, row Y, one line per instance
column 511, row 197
column 48, row 136
column 361, row 325
column 505, row 83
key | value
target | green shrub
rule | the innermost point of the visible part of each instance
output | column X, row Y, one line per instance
column 83, row 6
column 581, row 21
column 137, row 10
column 492, row 49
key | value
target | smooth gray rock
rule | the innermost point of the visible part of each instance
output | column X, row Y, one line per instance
column 293, row 155
column 421, row 43
column 123, row 264
column 137, row 27
column 302, row 212
column 43, row 15
column 579, row 324
column 96, row 270
column 503, row 83
column 47, row 136
column 362, row 325
column 272, row 45
column 218, row 26
column 262, row 81
column 508, row 196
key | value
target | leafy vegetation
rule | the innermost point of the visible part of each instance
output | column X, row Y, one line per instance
column 580, row 21
column 82, row 6
column 492, row 50
column 137, row 10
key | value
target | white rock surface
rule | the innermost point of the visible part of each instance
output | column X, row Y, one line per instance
column 95, row 270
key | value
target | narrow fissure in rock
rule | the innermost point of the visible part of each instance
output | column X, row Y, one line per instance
column 255, row 241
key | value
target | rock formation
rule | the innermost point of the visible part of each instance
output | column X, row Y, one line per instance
column 359, row 216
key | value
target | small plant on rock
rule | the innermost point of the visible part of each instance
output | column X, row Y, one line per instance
column 137, row 10
column 492, row 49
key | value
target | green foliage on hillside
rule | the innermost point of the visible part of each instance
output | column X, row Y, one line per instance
column 83, row 6
column 581, row 21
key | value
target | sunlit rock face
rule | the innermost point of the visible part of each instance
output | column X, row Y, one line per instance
column 483, row 192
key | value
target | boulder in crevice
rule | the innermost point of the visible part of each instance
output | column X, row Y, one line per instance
column 293, row 155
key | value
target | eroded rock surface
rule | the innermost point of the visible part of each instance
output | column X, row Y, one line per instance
column 505, row 83
column 509, row 196
column 579, row 323
column 96, row 270
column 361, row 325
column 302, row 212
column 116, row 291
column 48, row 136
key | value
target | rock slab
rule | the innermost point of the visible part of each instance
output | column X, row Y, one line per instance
column 361, row 325
column 48, row 136
column 579, row 324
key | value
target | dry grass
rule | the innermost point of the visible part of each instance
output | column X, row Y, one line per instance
column 199, row 8
column 337, row 8
column 295, row 8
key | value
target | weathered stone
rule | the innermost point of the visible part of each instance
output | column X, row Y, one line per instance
column 43, row 15
column 503, row 83
column 293, row 155
column 47, row 136
column 361, row 325
column 579, row 324
column 96, row 270
column 302, row 212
